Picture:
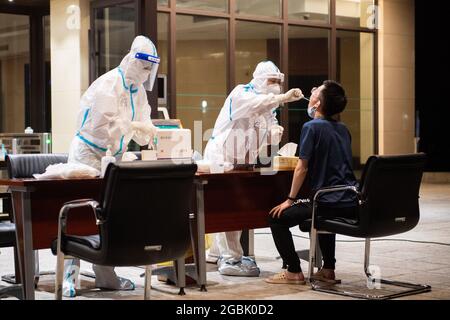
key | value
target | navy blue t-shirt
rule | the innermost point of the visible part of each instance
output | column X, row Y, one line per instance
column 327, row 147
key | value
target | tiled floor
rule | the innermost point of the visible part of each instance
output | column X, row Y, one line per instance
column 408, row 261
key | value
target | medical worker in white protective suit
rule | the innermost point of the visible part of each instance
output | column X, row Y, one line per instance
column 114, row 110
column 249, row 109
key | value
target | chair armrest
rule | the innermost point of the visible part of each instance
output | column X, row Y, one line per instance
column 331, row 190
column 336, row 189
column 67, row 207
column 63, row 214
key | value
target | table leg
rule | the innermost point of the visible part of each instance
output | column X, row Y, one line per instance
column 198, row 237
column 180, row 269
column 248, row 242
column 251, row 243
column 24, row 241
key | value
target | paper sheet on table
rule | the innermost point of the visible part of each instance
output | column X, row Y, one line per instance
column 204, row 166
column 129, row 157
column 289, row 150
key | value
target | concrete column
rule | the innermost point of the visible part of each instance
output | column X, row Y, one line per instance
column 69, row 20
column 367, row 96
column 396, row 76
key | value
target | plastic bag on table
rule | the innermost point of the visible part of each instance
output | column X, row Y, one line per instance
column 68, row 171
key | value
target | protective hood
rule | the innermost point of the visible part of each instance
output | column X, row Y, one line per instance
column 264, row 71
column 140, row 65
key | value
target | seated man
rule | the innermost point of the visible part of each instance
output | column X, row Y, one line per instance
column 326, row 159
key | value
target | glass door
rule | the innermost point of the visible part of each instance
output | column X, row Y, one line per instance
column 14, row 71
column 113, row 28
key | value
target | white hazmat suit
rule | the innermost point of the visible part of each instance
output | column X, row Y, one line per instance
column 114, row 110
column 244, row 123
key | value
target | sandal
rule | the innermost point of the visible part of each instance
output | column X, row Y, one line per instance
column 281, row 278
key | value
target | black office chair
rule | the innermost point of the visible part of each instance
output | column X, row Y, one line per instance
column 8, row 239
column 22, row 166
column 388, row 205
column 143, row 219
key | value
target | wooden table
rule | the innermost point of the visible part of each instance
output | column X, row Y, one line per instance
column 234, row 201
column 223, row 202
column 36, row 206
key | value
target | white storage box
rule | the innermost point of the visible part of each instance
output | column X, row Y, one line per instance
column 174, row 144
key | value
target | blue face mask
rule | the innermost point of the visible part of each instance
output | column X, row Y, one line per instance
column 312, row 112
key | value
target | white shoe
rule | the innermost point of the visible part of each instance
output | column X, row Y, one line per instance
column 106, row 278
column 71, row 277
column 69, row 290
column 244, row 268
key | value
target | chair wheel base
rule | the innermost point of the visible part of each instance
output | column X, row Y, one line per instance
column 11, row 291
column 413, row 289
column 9, row 278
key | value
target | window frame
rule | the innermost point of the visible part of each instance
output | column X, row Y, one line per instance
column 37, row 115
column 148, row 10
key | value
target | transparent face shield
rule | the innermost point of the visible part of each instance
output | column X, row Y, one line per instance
column 275, row 78
column 152, row 66
column 278, row 76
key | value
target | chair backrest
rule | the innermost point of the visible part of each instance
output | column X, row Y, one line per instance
column 25, row 165
column 390, row 188
column 146, row 206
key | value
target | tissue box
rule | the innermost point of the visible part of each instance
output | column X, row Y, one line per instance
column 173, row 144
column 285, row 163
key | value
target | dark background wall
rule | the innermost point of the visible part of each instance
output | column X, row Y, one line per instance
column 432, row 82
